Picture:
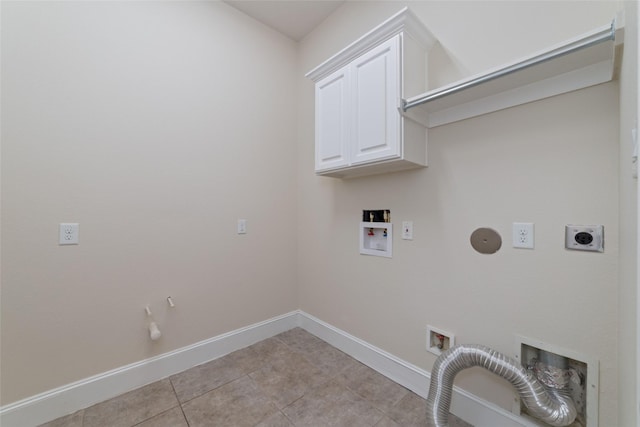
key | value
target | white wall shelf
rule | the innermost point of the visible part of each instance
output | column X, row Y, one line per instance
column 575, row 64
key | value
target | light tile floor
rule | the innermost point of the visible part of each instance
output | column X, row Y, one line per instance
column 293, row 379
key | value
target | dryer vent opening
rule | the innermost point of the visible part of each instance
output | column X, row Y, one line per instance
column 564, row 370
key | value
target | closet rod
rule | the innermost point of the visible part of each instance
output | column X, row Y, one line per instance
column 598, row 37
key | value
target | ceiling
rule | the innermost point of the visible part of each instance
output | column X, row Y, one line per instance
column 293, row 18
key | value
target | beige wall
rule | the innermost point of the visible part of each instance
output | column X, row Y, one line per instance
column 628, row 331
column 154, row 125
column 553, row 162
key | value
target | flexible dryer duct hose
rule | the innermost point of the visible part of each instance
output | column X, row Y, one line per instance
column 549, row 405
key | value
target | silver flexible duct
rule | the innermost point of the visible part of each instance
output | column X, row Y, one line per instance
column 549, row 405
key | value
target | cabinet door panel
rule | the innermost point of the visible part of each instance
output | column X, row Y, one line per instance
column 375, row 94
column 332, row 121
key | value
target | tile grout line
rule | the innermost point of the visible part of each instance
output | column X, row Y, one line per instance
column 326, row 362
column 179, row 403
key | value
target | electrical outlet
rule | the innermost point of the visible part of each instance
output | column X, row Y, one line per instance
column 69, row 233
column 584, row 237
column 523, row 235
column 242, row 226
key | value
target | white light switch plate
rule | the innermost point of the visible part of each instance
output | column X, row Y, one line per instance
column 407, row 230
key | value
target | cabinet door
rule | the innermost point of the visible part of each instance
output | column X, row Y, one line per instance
column 375, row 88
column 332, row 121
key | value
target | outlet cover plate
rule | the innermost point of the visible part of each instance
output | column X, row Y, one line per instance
column 523, row 235
column 584, row 237
column 69, row 233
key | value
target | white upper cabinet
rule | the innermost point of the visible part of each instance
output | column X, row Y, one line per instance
column 332, row 127
column 375, row 83
column 359, row 128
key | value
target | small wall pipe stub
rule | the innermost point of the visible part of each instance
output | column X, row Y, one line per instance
column 549, row 405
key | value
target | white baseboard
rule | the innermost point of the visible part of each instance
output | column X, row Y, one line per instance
column 70, row 398
column 465, row 405
column 65, row 400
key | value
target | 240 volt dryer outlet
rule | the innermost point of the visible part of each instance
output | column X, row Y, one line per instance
column 584, row 237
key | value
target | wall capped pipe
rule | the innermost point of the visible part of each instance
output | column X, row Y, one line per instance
column 154, row 331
